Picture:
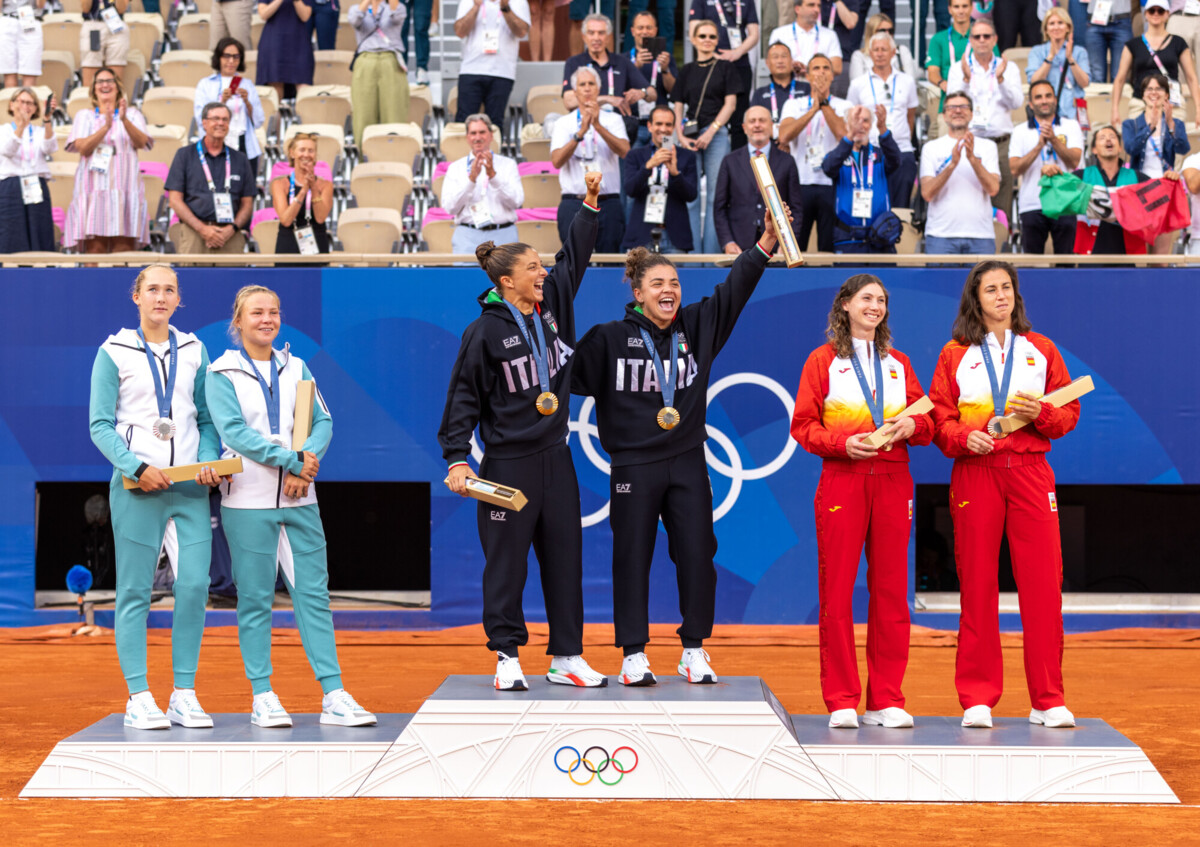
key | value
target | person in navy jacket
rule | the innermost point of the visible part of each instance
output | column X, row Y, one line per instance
column 860, row 170
column 654, row 169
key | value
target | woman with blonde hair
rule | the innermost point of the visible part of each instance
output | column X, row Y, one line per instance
column 302, row 201
column 1059, row 59
column 852, row 385
column 269, row 510
column 860, row 61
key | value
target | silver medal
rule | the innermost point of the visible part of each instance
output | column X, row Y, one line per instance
column 163, row 429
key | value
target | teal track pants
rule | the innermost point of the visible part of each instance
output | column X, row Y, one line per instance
column 139, row 522
column 253, row 536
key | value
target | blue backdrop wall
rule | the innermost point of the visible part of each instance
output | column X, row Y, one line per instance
column 381, row 344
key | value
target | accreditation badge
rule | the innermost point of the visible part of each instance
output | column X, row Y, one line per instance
column 31, row 187
column 25, row 17
column 223, row 207
column 307, row 241
column 860, row 203
column 491, row 41
column 112, row 20
column 656, row 205
column 102, row 158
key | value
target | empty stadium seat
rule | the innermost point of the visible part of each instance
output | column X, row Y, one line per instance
column 168, row 139
column 332, row 67
column 346, row 39
column 542, row 236
column 265, row 233
column 62, row 183
column 135, row 69
column 392, row 143
column 61, row 133
column 185, row 68
column 192, row 32
column 370, row 230
column 541, row 190
column 58, row 66
column 61, row 32
column 251, row 62
column 542, row 100
column 269, row 99
column 438, row 235
column 169, row 105
column 79, row 101
column 145, row 31
column 536, row 150
column 323, row 104
column 420, row 103
column 382, row 184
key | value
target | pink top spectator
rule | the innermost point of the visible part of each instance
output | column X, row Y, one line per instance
column 112, row 203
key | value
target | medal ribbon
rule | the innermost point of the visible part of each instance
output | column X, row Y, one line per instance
column 999, row 390
column 539, row 355
column 208, row 173
column 874, row 399
column 270, row 395
column 163, row 397
column 666, row 378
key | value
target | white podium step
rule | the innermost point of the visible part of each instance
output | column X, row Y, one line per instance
column 672, row 741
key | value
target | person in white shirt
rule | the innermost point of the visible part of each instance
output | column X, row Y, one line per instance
column 21, row 42
column 805, row 37
column 959, row 173
column 1045, row 146
column 995, row 88
column 896, row 94
column 483, row 191
column 245, row 108
column 491, row 31
column 585, row 140
column 860, row 61
column 1191, row 178
column 810, row 127
column 26, row 220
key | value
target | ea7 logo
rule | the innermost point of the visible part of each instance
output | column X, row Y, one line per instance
column 499, row 515
column 512, row 341
column 634, row 342
column 624, row 487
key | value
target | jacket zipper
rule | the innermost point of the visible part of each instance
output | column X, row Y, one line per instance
column 279, row 489
column 163, row 365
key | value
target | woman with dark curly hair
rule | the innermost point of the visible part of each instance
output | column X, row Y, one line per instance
column 229, row 87
column 851, row 386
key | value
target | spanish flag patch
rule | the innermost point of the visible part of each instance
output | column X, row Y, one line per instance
column 892, row 368
column 1029, row 361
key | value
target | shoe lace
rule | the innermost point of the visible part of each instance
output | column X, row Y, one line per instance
column 691, row 654
column 270, row 702
column 345, row 700
column 638, row 661
column 187, row 701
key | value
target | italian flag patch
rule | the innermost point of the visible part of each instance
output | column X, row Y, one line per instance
column 1053, row 502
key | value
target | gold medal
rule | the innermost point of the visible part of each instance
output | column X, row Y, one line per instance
column 668, row 417
column 547, row 403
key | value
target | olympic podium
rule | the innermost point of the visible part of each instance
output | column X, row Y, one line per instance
column 671, row 741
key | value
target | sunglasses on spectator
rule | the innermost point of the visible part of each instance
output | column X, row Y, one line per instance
column 706, row 37
column 983, row 36
column 1157, row 10
column 888, row 31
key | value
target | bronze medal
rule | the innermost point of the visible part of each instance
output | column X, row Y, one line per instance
column 668, row 417
column 994, row 428
column 547, row 403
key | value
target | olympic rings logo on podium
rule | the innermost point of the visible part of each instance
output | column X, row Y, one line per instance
column 595, row 769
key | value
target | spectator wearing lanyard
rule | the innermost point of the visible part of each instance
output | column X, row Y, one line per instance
column 859, row 171
column 995, row 87
column 664, row 24
column 1152, row 141
column 245, row 108
column 491, row 31
column 229, row 19
column 1110, row 26
column 211, row 189
column 737, row 35
column 782, row 87
column 660, row 180
column 103, row 38
column 948, row 46
column 26, row 222
column 302, row 201
column 1045, row 146
column 483, row 191
column 893, row 94
column 861, row 61
column 805, row 37
column 1061, row 61
column 379, row 85
column 21, row 42
column 1155, row 51
column 621, row 84
column 660, row 70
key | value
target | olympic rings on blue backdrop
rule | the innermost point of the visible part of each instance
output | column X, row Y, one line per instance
column 597, row 767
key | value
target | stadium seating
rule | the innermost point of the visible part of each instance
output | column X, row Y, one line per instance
column 332, row 67
column 382, row 184
column 169, row 105
column 542, row 236
column 323, row 104
column 438, row 235
column 367, row 230
column 393, row 143
column 192, row 32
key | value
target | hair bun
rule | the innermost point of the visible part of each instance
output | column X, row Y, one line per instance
column 484, row 252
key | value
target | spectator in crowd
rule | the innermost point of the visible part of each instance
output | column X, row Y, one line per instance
column 660, row 70
column 1191, row 178
column 285, row 51
column 1156, row 51
column 942, row 20
column 211, row 190
column 578, row 12
column 896, row 94
column 589, row 139
column 664, row 12
column 949, row 46
column 1103, row 237
column 811, row 128
column 847, row 19
column 491, row 32
column 959, row 175
column 1020, row 19
column 302, row 201
column 705, row 98
column 1046, row 145
column 738, row 208
column 245, row 108
column 482, row 191
column 420, row 16
column 859, row 171
column 26, row 222
column 783, row 85
column 1154, row 139
column 621, row 84
column 1110, row 26
column 995, row 88
column 379, row 80
column 1185, row 22
column 325, row 20
column 541, row 30
column 21, row 43
column 805, row 37
column 108, row 211
column 1060, row 61
column 660, row 179
column 229, row 19
column 103, row 38
column 861, row 62
column 737, row 35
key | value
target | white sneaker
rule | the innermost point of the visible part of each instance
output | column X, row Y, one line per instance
column 508, row 674
column 573, row 670
column 268, row 712
column 693, row 666
column 893, row 717
column 184, row 709
column 422, row 76
column 1054, row 718
column 978, row 717
column 843, row 719
column 340, row 709
column 141, row 712
column 635, row 670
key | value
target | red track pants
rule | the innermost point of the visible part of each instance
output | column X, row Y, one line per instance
column 855, row 506
column 991, row 495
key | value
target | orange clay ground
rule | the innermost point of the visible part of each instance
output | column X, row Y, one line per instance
column 1145, row 683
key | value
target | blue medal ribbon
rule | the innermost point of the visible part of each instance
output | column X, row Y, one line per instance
column 270, row 395
column 999, row 390
column 874, row 400
column 666, row 377
column 539, row 353
column 163, row 397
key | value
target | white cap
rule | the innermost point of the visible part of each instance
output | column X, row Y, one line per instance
column 1162, row 4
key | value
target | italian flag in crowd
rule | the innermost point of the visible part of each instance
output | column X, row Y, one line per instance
column 1144, row 210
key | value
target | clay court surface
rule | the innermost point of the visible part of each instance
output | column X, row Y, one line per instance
column 1145, row 683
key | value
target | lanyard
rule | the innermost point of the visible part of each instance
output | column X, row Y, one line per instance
column 163, row 397
column 207, row 173
column 791, row 94
column 861, row 165
column 378, row 25
column 1157, row 149
column 999, row 390
column 308, row 196
column 29, row 151
column 1154, row 56
column 270, row 395
column 991, row 72
column 725, row 23
column 816, row 31
column 539, row 353
column 818, row 119
column 653, row 67
column 666, row 378
column 611, row 84
column 887, row 93
column 660, row 175
column 874, row 398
